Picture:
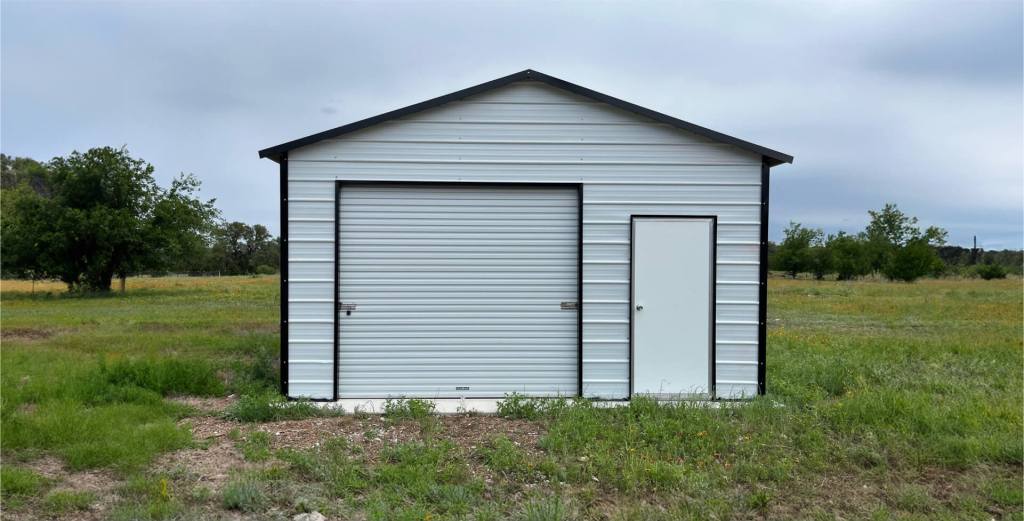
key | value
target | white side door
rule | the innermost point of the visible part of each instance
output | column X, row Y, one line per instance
column 673, row 303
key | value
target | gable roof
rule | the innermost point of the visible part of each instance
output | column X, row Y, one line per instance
column 771, row 157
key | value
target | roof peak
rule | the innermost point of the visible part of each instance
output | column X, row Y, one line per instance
column 771, row 157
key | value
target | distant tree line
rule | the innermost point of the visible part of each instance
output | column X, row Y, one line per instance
column 91, row 217
column 892, row 245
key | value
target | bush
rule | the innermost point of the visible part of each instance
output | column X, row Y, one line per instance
column 913, row 261
column 264, row 269
column 270, row 406
column 990, row 271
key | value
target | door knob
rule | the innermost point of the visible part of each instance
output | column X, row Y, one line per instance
column 639, row 307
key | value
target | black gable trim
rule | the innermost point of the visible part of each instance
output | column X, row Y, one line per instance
column 771, row 157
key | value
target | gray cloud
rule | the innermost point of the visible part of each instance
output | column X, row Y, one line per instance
column 981, row 44
column 915, row 103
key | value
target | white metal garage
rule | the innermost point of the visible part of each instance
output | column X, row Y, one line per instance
column 457, row 290
column 523, row 235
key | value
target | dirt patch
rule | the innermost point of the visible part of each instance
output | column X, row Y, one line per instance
column 26, row 333
column 373, row 433
column 471, row 431
column 210, row 467
column 831, row 493
column 102, row 483
column 206, row 427
column 860, row 495
column 213, row 466
column 207, row 404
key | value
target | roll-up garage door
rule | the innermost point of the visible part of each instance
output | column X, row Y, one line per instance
column 457, row 291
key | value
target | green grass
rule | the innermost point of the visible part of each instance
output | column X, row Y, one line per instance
column 269, row 405
column 147, row 497
column 255, row 446
column 502, row 455
column 63, row 501
column 413, row 408
column 885, row 401
column 17, row 484
column 85, row 377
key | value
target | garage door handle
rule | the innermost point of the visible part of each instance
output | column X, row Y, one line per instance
column 639, row 307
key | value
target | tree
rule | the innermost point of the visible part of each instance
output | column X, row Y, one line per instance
column 102, row 215
column 181, row 228
column 898, row 248
column 21, row 232
column 794, row 254
column 914, row 260
column 822, row 261
column 240, row 248
column 849, row 256
column 23, row 171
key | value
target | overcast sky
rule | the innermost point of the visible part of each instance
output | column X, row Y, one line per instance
column 918, row 103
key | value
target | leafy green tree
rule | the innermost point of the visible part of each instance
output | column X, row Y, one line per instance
column 22, row 171
column 898, row 248
column 102, row 215
column 794, row 254
column 240, row 248
column 891, row 225
column 822, row 259
column 889, row 231
column 912, row 261
column 181, row 226
column 849, row 256
column 22, row 232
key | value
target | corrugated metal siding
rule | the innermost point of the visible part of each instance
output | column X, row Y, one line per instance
column 310, row 288
column 529, row 132
column 456, row 287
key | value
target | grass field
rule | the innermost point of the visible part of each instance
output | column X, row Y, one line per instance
column 885, row 401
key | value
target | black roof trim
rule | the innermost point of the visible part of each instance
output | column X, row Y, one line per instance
column 772, row 157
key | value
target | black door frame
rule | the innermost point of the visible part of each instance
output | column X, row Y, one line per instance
column 714, row 290
column 339, row 186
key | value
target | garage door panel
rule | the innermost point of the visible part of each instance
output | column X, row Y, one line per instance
column 458, row 290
